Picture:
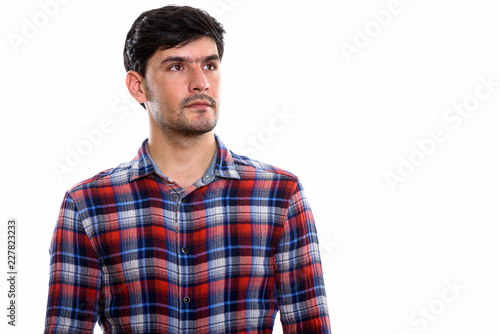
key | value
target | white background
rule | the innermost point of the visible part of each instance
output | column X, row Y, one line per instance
column 387, row 252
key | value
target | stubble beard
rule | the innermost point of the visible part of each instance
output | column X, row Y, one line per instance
column 178, row 124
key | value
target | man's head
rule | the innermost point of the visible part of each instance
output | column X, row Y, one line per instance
column 172, row 55
column 166, row 28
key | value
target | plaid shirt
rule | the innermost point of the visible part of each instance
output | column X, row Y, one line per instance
column 135, row 252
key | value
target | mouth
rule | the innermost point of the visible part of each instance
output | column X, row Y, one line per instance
column 199, row 102
column 199, row 105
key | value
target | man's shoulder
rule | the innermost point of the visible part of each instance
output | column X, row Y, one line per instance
column 249, row 167
column 116, row 176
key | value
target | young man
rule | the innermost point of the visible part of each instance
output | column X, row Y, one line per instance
column 188, row 237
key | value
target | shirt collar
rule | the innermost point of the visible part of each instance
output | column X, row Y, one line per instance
column 143, row 164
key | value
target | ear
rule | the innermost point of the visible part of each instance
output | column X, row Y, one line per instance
column 136, row 86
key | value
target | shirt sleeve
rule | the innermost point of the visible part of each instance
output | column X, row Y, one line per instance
column 301, row 289
column 72, row 305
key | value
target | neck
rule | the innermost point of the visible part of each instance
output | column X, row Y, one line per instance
column 184, row 159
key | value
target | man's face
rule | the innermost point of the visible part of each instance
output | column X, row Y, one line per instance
column 182, row 86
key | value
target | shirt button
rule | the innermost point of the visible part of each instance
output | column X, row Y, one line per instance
column 185, row 250
column 186, row 300
column 183, row 200
column 208, row 177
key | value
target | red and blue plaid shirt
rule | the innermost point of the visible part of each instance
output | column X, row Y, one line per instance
column 135, row 252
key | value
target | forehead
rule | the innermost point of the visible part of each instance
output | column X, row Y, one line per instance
column 194, row 51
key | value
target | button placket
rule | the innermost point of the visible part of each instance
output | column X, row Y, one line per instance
column 184, row 271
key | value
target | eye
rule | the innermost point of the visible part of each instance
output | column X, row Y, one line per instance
column 176, row 67
column 210, row 66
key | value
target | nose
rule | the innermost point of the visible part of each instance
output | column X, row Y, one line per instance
column 198, row 81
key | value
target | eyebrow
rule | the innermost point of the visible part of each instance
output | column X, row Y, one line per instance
column 189, row 60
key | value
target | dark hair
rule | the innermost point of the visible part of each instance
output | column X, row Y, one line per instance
column 165, row 28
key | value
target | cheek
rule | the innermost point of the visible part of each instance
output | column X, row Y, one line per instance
column 171, row 93
column 215, row 85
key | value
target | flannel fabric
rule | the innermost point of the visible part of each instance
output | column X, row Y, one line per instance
column 136, row 253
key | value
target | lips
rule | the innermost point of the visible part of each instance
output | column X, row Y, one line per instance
column 199, row 104
column 199, row 101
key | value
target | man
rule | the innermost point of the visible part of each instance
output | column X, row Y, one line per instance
column 188, row 237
